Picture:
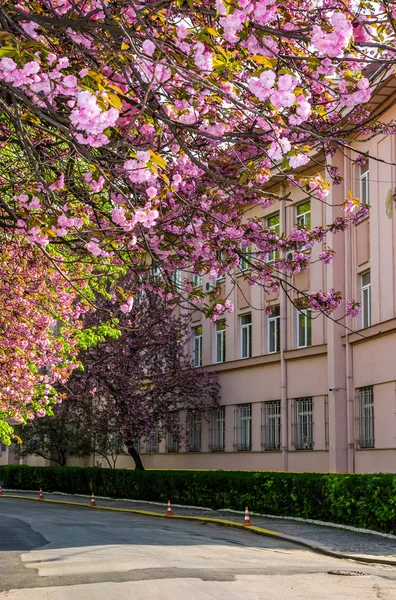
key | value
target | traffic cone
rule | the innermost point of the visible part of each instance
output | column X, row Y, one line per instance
column 246, row 520
column 41, row 497
column 1, row 491
column 169, row 512
column 93, row 501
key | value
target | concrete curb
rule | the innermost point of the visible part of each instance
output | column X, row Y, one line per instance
column 319, row 548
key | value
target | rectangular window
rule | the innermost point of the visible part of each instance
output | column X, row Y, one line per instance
column 303, row 215
column 302, row 424
column 365, row 280
column 304, row 328
column 365, row 417
column 245, row 259
column 273, row 223
column 364, row 184
column 271, row 425
column 274, row 330
column 220, row 341
column 196, row 280
column 246, row 336
column 172, row 443
column 243, row 427
column 157, row 275
column 217, row 430
column 176, row 279
column 197, row 346
column 152, row 441
column 193, row 431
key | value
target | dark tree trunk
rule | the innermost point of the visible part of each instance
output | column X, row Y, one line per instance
column 136, row 457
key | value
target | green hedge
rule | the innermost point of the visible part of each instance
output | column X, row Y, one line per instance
column 367, row 501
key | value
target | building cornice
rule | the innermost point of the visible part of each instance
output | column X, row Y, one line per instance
column 370, row 333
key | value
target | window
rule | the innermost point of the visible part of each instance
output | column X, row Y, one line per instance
column 364, row 184
column 220, row 341
column 245, row 258
column 273, row 223
column 302, row 424
column 172, row 443
column 157, row 275
column 271, row 425
column 152, row 441
column 197, row 346
column 304, row 328
column 196, row 280
column 243, row 427
column 176, row 279
column 365, row 417
column 193, row 432
column 217, row 430
column 246, row 336
column 365, row 280
column 274, row 330
column 303, row 215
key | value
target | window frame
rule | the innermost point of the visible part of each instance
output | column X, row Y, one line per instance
column 220, row 334
column 303, row 424
column 217, row 430
column 273, row 319
column 193, row 432
column 364, row 184
column 271, row 426
column 365, row 294
column 303, row 312
column 245, row 258
column 274, row 254
column 197, row 346
column 152, row 442
column 248, row 328
column 243, row 427
column 303, row 217
column 365, row 418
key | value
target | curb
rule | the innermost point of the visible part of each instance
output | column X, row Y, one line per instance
column 319, row 548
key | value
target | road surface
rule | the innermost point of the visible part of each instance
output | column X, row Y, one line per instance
column 68, row 553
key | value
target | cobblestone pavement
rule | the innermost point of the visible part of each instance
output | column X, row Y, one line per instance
column 334, row 539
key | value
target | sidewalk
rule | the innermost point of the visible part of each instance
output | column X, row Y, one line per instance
column 332, row 540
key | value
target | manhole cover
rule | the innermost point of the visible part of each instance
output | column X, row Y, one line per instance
column 346, row 573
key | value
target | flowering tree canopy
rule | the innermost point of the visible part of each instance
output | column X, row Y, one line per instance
column 136, row 134
column 141, row 381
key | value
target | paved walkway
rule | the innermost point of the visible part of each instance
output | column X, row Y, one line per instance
column 368, row 547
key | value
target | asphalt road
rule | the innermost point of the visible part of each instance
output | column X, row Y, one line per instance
column 67, row 553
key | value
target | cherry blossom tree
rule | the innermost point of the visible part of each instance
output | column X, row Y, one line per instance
column 141, row 381
column 138, row 133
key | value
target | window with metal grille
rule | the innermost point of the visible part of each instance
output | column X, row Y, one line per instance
column 274, row 330
column 193, row 430
column 273, row 223
column 217, row 430
column 326, row 412
column 245, row 259
column 220, row 341
column 152, row 441
column 243, row 427
column 172, row 443
column 365, row 280
column 302, row 424
column 365, row 417
column 364, row 184
column 246, row 336
column 304, row 328
column 197, row 346
column 271, row 425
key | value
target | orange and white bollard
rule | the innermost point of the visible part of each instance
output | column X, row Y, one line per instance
column 1, row 491
column 246, row 520
column 41, row 497
column 93, row 501
column 169, row 512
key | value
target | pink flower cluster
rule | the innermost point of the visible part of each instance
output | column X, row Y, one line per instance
column 333, row 44
column 88, row 117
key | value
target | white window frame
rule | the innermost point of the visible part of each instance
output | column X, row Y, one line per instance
column 152, row 442
column 217, row 430
column 246, row 334
column 243, row 427
column 196, row 280
column 220, row 342
column 197, row 346
column 273, row 333
column 302, row 218
column 304, row 313
column 365, row 300
column 271, row 425
column 177, row 279
column 245, row 258
column 303, row 438
column 193, row 426
column 365, row 417
column 364, row 184
column 274, row 255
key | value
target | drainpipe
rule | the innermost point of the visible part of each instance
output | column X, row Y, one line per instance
column 348, row 349
column 283, row 308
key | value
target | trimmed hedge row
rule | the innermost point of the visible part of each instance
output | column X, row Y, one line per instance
column 367, row 501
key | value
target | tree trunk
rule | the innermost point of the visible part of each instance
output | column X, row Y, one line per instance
column 136, row 457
